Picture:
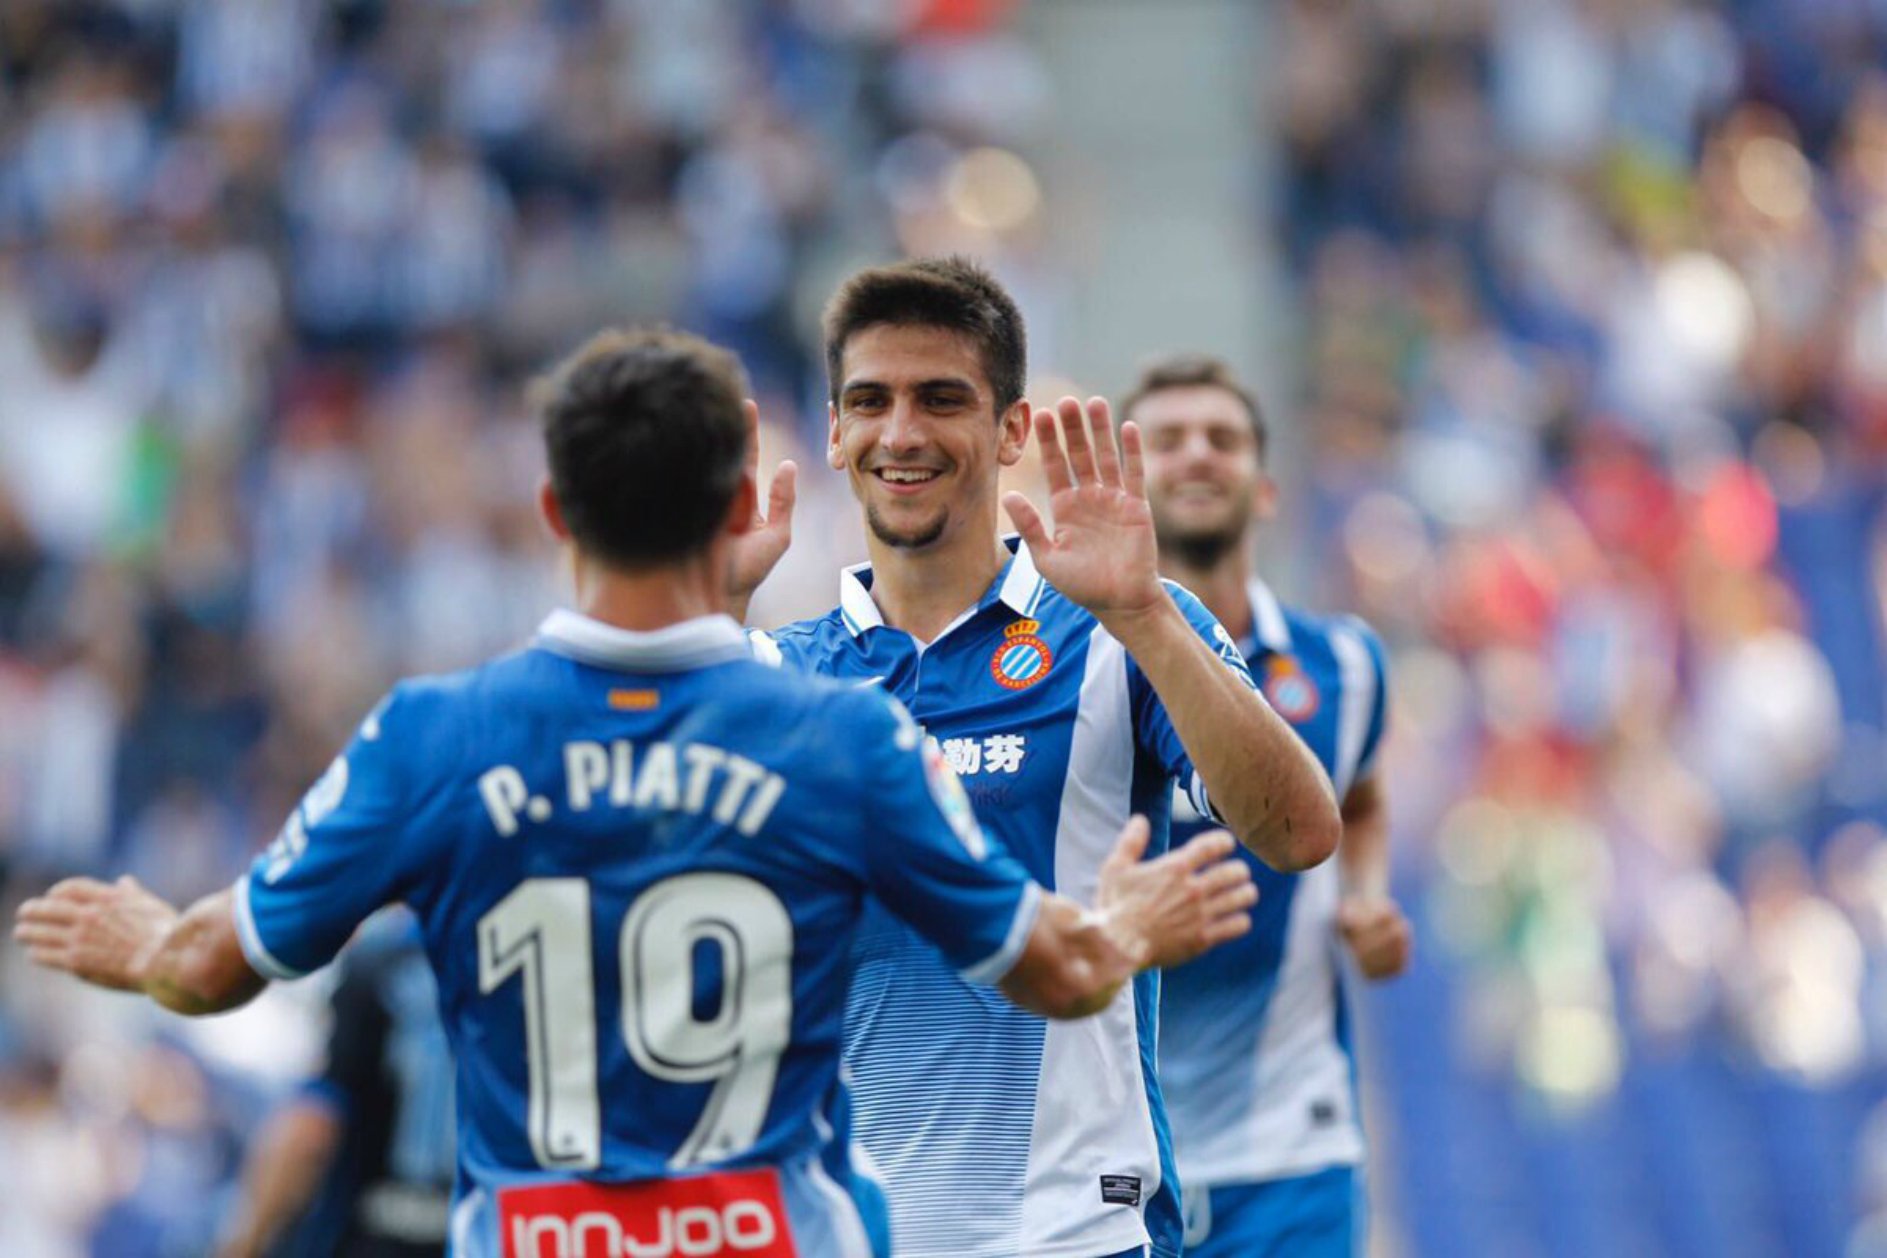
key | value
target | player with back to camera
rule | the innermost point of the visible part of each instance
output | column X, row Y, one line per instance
column 1255, row 1050
column 637, row 858
column 1069, row 687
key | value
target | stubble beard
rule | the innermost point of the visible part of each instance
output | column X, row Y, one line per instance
column 907, row 539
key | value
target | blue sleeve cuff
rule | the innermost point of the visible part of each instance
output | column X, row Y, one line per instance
column 260, row 959
column 992, row 968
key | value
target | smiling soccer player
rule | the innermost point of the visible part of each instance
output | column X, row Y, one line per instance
column 1069, row 687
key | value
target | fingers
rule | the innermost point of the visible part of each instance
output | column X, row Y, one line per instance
column 1225, row 929
column 1106, row 454
column 750, row 411
column 782, row 493
column 1203, row 850
column 1027, row 519
column 1132, row 843
column 1054, row 461
column 1074, row 433
column 1133, row 459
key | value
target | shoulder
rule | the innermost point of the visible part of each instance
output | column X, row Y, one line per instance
column 801, row 641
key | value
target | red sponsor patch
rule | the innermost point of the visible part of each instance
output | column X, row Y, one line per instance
column 734, row 1214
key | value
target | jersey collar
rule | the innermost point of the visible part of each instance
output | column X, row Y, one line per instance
column 674, row 648
column 1020, row 588
column 1267, row 618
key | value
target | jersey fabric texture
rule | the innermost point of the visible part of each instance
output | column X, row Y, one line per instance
column 998, row 1133
column 638, row 861
column 387, row 1192
column 1255, row 1053
column 1318, row 1215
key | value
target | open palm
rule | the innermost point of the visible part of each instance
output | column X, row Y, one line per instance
column 1102, row 552
column 757, row 551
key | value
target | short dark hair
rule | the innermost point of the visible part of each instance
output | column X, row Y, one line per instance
column 1189, row 371
column 646, row 442
column 953, row 293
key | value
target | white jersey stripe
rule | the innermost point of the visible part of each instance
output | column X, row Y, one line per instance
column 1095, row 1061
column 1358, row 698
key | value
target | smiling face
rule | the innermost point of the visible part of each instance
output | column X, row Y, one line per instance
column 1205, row 480
column 916, row 432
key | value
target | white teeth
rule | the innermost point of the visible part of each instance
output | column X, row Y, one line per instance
column 905, row 476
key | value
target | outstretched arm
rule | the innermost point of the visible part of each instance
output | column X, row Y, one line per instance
column 119, row 935
column 1263, row 780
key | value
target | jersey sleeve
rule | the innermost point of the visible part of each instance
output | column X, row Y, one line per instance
column 926, row 856
column 1376, row 679
column 1153, row 727
column 359, row 839
column 781, row 648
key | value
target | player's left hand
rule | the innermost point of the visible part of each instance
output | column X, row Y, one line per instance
column 1378, row 935
column 102, row 932
column 1102, row 553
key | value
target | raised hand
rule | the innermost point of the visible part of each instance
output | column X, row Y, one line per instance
column 1168, row 910
column 102, row 932
column 757, row 551
column 1102, row 552
column 1378, row 936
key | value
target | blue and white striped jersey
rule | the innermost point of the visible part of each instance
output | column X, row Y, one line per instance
column 1255, row 1053
column 638, row 862
column 997, row 1133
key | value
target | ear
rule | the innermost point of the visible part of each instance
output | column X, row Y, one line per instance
column 835, row 454
column 740, row 512
column 1264, row 498
column 1013, row 441
column 552, row 511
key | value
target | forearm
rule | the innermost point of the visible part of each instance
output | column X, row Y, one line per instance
column 1363, row 854
column 1263, row 780
column 197, row 966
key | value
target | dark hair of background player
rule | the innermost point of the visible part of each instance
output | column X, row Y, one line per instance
column 953, row 293
column 1188, row 371
column 646, row 443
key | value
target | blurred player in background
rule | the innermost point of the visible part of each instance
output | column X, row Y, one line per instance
column 1255, row 1049
column 360, row 1161
column 638, row 859
column 1070, row 688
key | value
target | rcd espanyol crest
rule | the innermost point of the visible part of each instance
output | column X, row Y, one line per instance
column 1022, row 659
column 1292, row 693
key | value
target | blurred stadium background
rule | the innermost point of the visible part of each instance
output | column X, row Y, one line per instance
column 1572, row 314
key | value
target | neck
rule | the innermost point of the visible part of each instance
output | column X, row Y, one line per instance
column 650, row 598
column 1220, row 585
column 921, row 591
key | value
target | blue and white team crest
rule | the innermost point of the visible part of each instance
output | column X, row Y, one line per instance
column 1023, row 658
column 1292, row 691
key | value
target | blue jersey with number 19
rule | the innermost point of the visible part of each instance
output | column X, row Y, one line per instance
column 638, row 861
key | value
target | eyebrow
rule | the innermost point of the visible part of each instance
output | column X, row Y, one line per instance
column 937, row 382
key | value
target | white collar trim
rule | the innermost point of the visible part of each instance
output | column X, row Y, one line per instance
column 1022, row 589
column 672, row 648
column 1267, row 617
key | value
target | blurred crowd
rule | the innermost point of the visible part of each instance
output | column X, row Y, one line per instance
column 1593, row 308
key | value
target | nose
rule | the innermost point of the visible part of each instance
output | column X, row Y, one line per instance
column 904, row 429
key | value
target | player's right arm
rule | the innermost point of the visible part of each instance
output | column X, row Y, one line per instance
column 351, row 846
column 935, row 867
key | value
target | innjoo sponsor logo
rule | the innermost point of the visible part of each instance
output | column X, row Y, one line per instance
column 709, row 1216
